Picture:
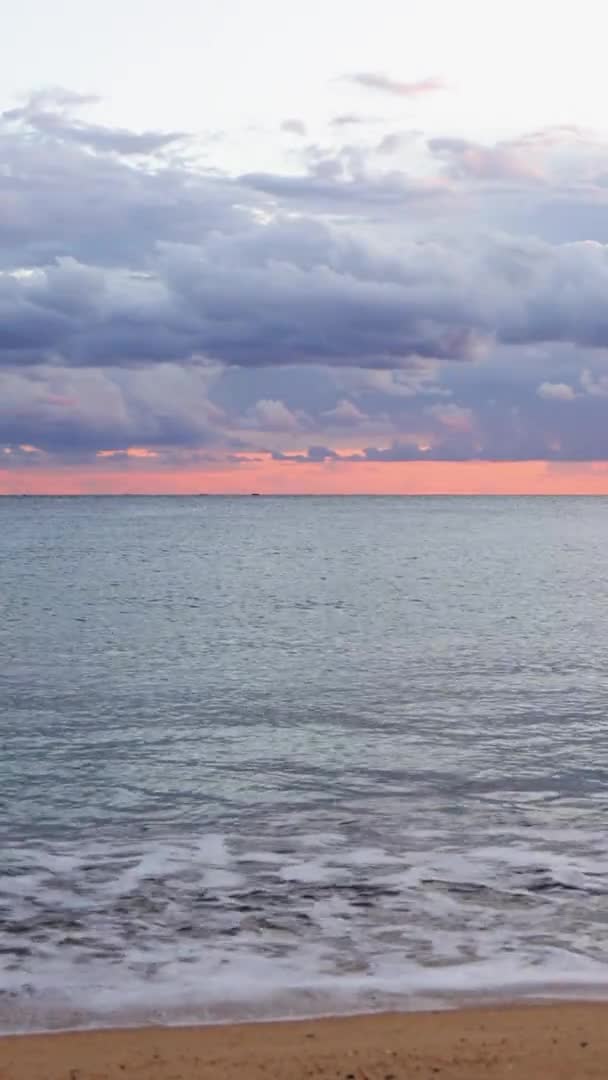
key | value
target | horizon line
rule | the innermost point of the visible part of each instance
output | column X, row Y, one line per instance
column 304, row 495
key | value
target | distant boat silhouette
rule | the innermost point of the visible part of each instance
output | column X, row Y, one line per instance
column 255, row 495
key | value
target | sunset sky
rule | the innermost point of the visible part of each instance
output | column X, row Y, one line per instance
column 303, row 247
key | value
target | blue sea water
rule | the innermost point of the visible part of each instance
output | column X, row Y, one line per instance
column 280, row 756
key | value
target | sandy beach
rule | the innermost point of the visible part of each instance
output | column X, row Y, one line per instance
column 537, row 1042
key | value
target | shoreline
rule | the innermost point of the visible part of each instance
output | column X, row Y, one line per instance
column 531, row 1041
column 178, row 1018
column 65, row 1020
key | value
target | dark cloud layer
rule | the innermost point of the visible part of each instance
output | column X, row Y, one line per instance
column 294, row 292
column 148, row 300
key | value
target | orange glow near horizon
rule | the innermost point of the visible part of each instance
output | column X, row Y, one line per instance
column 132, row 452
column 266, row 476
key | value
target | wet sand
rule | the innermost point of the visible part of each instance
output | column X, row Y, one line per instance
column 536, row 1042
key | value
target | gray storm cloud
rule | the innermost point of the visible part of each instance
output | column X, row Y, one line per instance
column 118, row 255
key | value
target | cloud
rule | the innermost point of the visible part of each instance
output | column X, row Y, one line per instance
column 371, row 80
column 298, row 292
column 317, row 454
column 140, row 452
column 345, row 413
column 338, row 190
column 415, row 449
column 556, row 391
column 273, row 415
column 293, row 126
column 50, row 113
column 51, row 98
column 452, row 416
column 390, row 385
column 343, row 120
column 394, row 141
column 149, row 301
column 62, row 199
column 503, row 161
column 78, row 411
column 595, row 387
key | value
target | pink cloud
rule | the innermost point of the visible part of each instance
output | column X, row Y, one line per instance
column 376, row 81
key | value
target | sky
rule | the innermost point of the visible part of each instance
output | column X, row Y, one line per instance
column 298, row 248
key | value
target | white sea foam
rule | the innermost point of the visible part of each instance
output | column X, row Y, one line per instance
column 202, row 928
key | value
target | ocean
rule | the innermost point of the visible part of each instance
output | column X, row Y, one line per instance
column 289, row 756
